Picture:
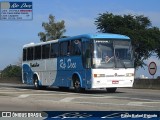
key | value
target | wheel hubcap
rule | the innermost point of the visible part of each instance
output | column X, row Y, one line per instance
column 36, row 83
column 77, row 84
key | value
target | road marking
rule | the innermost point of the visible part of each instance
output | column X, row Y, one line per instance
column 113, row 104
column 67, row 99
column 27, row 95
column 131, row 101
column 141, row 103
column 145, row 99
column 12, row 92
column 145, row 103
column 23, row 96
column 140, row 99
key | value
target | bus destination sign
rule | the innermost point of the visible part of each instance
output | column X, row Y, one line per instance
column 16, row 11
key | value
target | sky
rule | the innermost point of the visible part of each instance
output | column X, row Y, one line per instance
column 79, row 17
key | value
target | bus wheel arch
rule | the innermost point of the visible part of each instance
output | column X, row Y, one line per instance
column 36, row 82
column 77, row 82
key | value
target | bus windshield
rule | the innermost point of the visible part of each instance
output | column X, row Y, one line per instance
column 112, row 54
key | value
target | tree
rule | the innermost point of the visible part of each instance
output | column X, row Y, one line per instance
column 145, row 38
column 12, row 71
column 53, row 30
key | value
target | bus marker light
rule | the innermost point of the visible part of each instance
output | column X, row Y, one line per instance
column 130, row 74
column 95, row 75
column 99, row 75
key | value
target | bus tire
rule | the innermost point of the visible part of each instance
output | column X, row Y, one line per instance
column 77, row 85
column 36, row 83
column 111, row 90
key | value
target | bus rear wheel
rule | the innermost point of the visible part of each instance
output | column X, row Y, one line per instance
column 36, row 83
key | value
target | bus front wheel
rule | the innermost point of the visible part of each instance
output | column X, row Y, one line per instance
column 111, row 90
column 77, row 85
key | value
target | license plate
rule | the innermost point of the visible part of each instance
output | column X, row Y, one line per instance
column 115, row 82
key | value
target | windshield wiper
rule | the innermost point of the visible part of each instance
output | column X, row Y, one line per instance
column 122, row 62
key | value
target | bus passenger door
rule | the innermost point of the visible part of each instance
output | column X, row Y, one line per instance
column 86, row 59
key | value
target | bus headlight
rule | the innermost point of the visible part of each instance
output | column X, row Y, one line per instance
column 99, row 75
column 129, row 74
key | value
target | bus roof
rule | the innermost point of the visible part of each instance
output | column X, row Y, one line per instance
column 88, row 36
column 97, row 36
column 41, row 43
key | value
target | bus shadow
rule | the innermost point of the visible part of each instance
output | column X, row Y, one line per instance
column 87, row 91
column 71, row 90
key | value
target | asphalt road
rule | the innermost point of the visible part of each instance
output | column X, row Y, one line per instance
column 19, row 97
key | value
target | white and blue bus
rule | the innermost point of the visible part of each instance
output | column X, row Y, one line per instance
column 80, row 62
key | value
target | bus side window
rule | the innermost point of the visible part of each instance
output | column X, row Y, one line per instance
column 54, row 50
column 24, row 54
column 76, row 47
column 65, row 48
column 37, row 54
column 30, row 53
column 45, row 51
